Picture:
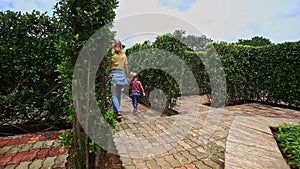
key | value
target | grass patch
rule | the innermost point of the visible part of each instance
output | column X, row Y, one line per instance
column 288, row 140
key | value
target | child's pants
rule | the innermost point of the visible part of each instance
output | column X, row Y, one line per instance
column 135, row 96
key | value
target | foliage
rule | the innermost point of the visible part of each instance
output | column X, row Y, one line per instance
column 288, row 139
column 158, row 65
column 267, row 73
column 255, row 41
column 78, row 21
column 28, row 60
column 193, row 42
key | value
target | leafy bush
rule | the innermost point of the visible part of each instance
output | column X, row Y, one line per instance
column 266, row 73
column 288, row 138
column 28, row 60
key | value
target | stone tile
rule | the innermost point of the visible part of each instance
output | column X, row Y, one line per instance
column 212, row 164
column 152, row 164
column 4, row 160
column 48, row 162
column 43, row 153
column 201, row 165
column 126, row 161
column 36, row 164
column 10, row 166
column 26, row 147
column 171, row 160
column 190, row 166
column 30, row 155
column 15, row 149
column 189, row 156
column 38, row 145
column 60, row 161
column 17, row 158
column 5, row 149
column 48, row 143
column 23, row 165
column 180, row 158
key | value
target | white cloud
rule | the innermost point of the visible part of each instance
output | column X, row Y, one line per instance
column 180, row 5
column 30, row 5
column 229, row 20
column 221, row 20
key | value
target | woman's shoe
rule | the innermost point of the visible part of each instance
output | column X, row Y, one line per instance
column 119, row 115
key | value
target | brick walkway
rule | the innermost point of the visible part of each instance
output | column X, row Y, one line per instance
column 197, row 137
column 200, row 137
column 32, row 151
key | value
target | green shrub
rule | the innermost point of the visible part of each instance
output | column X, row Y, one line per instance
column 288, row 138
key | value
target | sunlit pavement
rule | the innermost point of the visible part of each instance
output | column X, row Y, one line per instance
column 201, row 136
column 198, row 137
column 32, row 151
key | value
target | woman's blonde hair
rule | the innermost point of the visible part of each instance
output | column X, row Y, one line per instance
column 117, row 46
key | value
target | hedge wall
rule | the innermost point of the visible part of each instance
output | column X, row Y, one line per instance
column 268, row 74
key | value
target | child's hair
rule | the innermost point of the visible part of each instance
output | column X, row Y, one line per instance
column 133, row 75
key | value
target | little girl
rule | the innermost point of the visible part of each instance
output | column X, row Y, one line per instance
column 136, row 90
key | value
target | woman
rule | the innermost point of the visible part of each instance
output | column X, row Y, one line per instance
column 119, row 70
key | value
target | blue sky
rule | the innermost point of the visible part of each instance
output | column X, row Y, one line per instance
column 220, row 20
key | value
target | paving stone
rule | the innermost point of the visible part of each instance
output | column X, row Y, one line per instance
column 30, row 155
column 36, row 164
column 43, row 153
column 180, row 158
column 15, row 149
column 180, row 167
column 48, row 144
column 160, row 160
column 198, row 154
column 26, row 147
column 23, row 165
column 201, row 165
column 165, row 165
column 190, row 166
column 4, row 160
column 212, row 164
column 184, row 145
column 152, row 164
column 126, row 161
column 60, row 161
column 48, row 162
column 171, row 160
column 131, row 167
column 10, row 166
column 5, row 149
column 38, row 145
column 3, row 143
column 17, row 158
column 189, row 156
column 141, row 165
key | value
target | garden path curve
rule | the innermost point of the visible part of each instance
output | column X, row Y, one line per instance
column 202, row 137
column 199, row 137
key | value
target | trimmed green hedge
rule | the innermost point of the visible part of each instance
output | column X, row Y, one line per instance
column 268, row 74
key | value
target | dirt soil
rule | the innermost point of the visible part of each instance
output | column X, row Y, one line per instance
column 109, row 161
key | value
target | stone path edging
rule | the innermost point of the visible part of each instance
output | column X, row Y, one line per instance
column 250, row 144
